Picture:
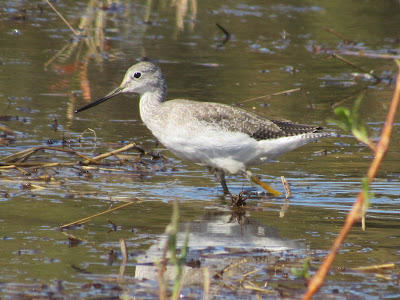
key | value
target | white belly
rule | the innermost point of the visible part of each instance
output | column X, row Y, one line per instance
column 232, row 152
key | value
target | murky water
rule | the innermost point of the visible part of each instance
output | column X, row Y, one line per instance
column 47, row 73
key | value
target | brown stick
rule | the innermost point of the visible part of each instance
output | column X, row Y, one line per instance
column 26, row 154
column 62, row 18
column 125, row 148
column 87, row 219
column 352, row 96
column 6, row 130
column 227, row 35
column 356, row 212
column 318, row 50
column 269, row 96
column 345, row 60
column 286, row 186
column 345, row 38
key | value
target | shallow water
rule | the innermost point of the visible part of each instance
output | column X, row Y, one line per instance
column 269, row 51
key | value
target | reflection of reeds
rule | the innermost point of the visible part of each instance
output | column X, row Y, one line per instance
column 183, row 9
column 86, row 44
column 91, row 34
column 177, row 258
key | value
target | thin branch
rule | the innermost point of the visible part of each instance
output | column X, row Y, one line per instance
column 269, row 96
column 286, row 186
column 227, row 35
column 62, row 18
column 26, row 154
column 345, row 38
column 104, row 155
column 374, row 267
column 87, row 219
column 345, row 60
column 6, row 130
column 356, row 213
column 318, row 50
column 352, row 96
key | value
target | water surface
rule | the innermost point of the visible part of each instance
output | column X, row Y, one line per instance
column 47, row 72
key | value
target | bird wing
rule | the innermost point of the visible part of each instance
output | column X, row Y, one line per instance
column 234, row 119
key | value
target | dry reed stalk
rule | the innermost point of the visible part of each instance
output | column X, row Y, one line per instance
column 267, row 97
column 62, row 18
column 26, row 154
column 125, row 148
column 87, row 219
column 286, row 187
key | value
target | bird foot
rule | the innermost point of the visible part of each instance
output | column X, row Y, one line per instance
column 265, row 186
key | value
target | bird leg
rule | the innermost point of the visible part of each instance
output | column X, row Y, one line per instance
column 220, row 175
column 265, row 186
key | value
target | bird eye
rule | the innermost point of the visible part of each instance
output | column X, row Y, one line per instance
column 137, row 75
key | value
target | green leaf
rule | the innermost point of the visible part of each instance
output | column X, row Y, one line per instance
column 345, row 115
column 302, row 272
column 350, row 121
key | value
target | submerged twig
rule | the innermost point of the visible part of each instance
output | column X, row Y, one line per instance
column 375, row 267
column 244, row 276
column 258, row 289
column 318, row 50
column 79, row 239
column 227, row 35
column 230, row 267
column 8, row 100
column 345, row 60
column 26, row 154
column 6, row 130
column 9, row 167
column 340, row 102
column 6, row 166
column 87, row 219
column 345, row 38
column 19, row 159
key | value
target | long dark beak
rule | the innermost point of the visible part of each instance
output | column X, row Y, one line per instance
column 113, row 93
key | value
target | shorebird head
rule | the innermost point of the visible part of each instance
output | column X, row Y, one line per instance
column 141, row 78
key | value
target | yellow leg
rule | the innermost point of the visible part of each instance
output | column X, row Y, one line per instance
column 265, row 186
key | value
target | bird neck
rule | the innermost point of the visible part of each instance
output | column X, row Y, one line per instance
column 149, row 102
